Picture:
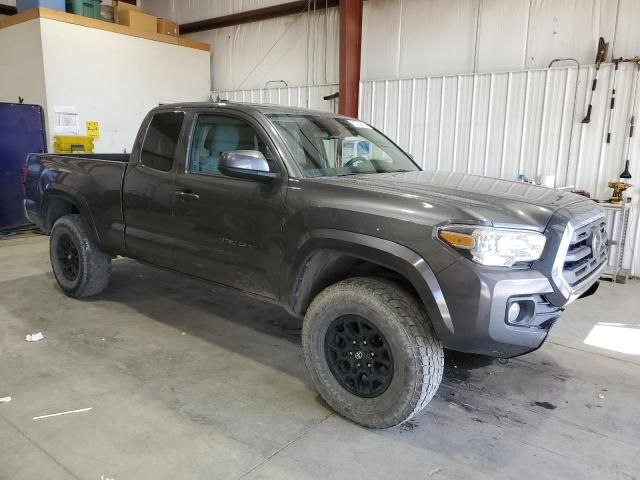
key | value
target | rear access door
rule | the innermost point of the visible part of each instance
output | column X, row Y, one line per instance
column 148, row 190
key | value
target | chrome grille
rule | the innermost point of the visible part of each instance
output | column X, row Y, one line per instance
column 587, row 251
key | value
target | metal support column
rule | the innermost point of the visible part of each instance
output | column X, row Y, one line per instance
column 350, row 47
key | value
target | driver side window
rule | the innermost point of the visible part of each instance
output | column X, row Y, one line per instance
column 216, row 134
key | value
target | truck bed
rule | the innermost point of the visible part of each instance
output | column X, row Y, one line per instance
column 92, row 182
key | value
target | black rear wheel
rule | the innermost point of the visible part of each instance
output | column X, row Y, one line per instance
column 68, row 258
column 79, row 266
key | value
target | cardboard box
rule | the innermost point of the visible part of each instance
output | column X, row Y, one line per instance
column 167, row 27
column 124, row 6
column 121, row 7
column 138, row 20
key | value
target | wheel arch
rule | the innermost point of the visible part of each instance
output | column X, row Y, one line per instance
column 59, row 202
column 327, row 256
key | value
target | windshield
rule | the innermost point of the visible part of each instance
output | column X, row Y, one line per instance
column 332, row 146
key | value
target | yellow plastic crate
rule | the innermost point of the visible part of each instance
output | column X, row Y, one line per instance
column 72, row 144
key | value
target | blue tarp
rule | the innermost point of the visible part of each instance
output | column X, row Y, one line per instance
column 21, row 132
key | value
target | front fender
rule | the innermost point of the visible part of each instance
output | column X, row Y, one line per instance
column 385, row 253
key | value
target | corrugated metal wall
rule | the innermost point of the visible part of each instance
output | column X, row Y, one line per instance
column 306, row 97
column 503, row 124
column 411, row 38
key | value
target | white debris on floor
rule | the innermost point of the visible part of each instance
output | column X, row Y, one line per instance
column 80, row 410
column 34, row 337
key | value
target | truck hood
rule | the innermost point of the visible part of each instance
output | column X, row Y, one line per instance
column 467, row 198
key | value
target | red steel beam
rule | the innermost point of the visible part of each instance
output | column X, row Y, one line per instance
column 275, row 11
column 350, row 48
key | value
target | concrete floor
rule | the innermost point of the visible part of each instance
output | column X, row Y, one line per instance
column 190, row 382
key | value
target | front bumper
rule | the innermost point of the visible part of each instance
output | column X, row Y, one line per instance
column 478, row 298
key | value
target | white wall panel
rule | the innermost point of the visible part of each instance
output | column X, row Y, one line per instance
column 381, row 29
column 404, row 38
column 500, row 20
column 568, row 28
column 22, row 64
column 92, row 89
column 300, row 49
column 437, row 36
column 627, row 37
column 410, row 38
column 503, row 124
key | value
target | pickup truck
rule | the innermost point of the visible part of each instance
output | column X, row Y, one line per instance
column 386, row 263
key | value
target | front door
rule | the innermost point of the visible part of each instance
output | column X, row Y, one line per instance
column 228, row 229
column 148, row 191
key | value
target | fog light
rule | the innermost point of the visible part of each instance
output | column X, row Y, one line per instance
column 513, row 313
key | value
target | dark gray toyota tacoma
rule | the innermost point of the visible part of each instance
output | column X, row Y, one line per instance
column 325, row 216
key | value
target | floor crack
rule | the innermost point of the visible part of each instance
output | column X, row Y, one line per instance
column 40, row 448
column 291, row 442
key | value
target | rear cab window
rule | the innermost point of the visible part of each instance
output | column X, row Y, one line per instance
column 161, row 141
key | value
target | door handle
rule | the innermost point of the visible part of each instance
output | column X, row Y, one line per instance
column 187, row 195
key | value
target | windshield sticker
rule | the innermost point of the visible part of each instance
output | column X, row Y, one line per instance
column 358, row 124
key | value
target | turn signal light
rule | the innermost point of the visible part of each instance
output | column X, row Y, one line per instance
column 457, row 240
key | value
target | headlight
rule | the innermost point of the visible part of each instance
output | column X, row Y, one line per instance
column 497, row 247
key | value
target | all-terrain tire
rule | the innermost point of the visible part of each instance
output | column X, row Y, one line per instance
column 93, row 269
column 418, row 356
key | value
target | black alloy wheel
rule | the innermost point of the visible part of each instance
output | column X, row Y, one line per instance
column 68, row 257
column 359, row 356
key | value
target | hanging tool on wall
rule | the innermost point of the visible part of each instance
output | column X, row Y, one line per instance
column 612, row 103
column 622, row 184
column 601, row 56
column 634, row 109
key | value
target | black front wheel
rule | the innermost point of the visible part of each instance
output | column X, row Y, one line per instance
column 359, row 356
column 371, row 351
column 80, row 268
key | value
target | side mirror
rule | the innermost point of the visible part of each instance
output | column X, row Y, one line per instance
column 249, row 164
